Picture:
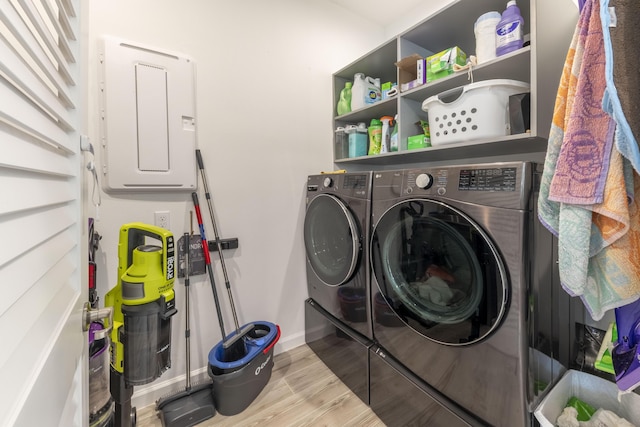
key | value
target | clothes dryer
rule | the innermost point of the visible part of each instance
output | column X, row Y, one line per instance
column 336, row 238
column 462, row 285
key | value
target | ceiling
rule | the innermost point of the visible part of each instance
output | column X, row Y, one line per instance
column 378, row 10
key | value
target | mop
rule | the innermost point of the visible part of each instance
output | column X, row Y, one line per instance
column 233, row 347
column 194, row 404
column 227, row 284
column 237, row 381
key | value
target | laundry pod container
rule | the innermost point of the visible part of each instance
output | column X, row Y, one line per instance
column 237, row 383
column 472, row 112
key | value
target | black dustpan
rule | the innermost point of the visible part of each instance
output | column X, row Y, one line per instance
column 193, row 404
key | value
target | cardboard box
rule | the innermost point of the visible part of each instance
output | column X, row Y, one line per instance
column 441, row 64
column 418, row 141
column 411, row 72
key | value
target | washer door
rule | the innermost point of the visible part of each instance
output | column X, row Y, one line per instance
column 439, row 272
column 331, row 239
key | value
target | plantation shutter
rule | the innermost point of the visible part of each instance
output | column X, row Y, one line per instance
column 42, row 262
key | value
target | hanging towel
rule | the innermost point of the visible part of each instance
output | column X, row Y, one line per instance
column 583, row 162
column 622, row 73
column 598, row 227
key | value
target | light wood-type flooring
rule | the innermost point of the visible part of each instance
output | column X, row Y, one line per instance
column 302, row 391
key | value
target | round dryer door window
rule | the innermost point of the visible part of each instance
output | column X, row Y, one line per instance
column 331, row 239
column 439, row 272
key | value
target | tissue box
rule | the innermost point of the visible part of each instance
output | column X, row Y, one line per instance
column 596, row 391
column 441, row 64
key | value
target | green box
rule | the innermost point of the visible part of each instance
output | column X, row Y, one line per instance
column 418, row 141
column 441, row 64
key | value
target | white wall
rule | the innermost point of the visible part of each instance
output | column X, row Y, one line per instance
column 264, row 103
column 423, row 10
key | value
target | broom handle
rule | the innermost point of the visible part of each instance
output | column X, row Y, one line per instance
column 207, row 261
column 187, row 329
column 217, row 237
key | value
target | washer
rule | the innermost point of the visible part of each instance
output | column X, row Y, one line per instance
column 336, row 239
column 463, row 280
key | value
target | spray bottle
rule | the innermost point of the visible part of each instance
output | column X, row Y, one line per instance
column 393, row 140
column 385, row 146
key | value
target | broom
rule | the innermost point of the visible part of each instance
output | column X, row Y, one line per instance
column 195, row 404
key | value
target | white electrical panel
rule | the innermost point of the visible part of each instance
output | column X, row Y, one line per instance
column 148, row 124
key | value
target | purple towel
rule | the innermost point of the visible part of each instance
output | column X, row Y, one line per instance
column 583, row 162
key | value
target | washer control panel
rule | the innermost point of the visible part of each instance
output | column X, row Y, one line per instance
column 346, row 184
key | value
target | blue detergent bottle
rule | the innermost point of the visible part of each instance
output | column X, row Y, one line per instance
column 509, row 31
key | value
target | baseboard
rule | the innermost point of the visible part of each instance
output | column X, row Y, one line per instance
column 290, row 342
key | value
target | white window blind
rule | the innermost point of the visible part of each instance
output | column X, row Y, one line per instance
column 41, row 225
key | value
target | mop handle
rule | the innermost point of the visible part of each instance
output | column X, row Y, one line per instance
column 217, row 237
column 207, row 261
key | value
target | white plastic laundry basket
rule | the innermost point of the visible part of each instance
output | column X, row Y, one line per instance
column 475, row 111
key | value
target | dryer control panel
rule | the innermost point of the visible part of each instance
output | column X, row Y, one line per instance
column 504, row 184
column 489, row 179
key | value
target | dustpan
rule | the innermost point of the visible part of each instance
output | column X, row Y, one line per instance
column 194, row 403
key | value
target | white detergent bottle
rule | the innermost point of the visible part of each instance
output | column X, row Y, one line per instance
column 373, row 93
column 358, row 92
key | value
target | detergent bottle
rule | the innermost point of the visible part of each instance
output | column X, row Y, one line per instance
column 357, row 92
column 509, row 31
column 375, row 137
column 373, row 91
column 365, row 91
column 344, row 104
column 385, row 146
column 357, row 139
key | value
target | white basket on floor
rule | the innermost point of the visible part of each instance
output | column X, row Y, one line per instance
column 475, row 111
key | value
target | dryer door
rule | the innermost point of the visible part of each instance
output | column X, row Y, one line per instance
column 439, row 272
column 331, row 239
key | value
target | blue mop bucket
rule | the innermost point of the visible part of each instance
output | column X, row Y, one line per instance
column 237, row 383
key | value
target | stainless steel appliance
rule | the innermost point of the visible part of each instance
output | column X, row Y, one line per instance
column 338, row 325
column 464, row 287
column 336, row 237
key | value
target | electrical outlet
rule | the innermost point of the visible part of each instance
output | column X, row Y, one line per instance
column 162, row 219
